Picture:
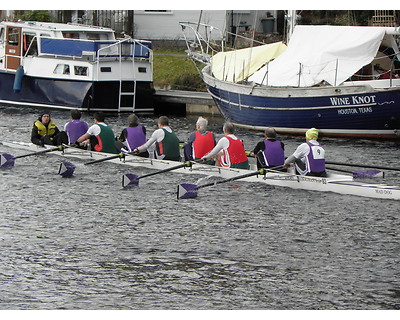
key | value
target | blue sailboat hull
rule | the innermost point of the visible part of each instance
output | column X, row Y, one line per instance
column 374, row 114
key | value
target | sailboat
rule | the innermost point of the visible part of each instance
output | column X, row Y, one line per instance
column 343, row 80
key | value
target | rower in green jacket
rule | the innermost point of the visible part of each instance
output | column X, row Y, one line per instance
column 167, row 146
column 100, row 136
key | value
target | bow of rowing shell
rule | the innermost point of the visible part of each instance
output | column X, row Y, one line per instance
column 338, row 183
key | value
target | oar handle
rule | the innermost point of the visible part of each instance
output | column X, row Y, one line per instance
column 105, row 159
column 119, row 155
column 59, row 148
column 362, row 165
column 261, row 171
column 339, row 170
column 186, row 164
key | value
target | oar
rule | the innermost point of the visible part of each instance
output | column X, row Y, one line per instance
column 356, row 174
column 10, row 158
column 362, row 165
column 187, row 190
column 119, row 155
column 361, row 173
column 130, row 179
column 6, row 160
column 66, row 169
column 58, row 148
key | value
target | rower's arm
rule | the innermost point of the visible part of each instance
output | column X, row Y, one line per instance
column 157, row 135
column 83, row 137
column 290, row 159
column 222, row 144
column 35, row 136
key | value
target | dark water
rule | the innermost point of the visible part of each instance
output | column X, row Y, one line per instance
column 84, row 243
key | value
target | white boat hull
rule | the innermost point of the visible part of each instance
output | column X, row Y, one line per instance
column 337, row 183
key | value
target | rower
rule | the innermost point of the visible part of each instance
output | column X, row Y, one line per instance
column 270, row 152
column 200, row 142
column 100, row 136
column 44, row 131
column 74, row 128
column 132, row 137
column 229, row 150
column 167, row 143
column 309, row 157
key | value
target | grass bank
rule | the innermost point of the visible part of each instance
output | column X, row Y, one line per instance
column 172, row 69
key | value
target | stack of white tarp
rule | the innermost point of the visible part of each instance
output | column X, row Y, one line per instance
column 322, row 53
column 239, row 64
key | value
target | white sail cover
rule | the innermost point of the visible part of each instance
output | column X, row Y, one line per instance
column 319, row 51
column 237, row 65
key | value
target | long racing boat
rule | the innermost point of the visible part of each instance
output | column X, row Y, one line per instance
column 337, row 183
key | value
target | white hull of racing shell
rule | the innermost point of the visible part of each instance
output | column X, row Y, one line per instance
column 337, row 183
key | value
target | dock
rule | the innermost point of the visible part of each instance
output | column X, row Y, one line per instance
column 192, row 102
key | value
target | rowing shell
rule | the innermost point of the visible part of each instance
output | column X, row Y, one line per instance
column 338, row 183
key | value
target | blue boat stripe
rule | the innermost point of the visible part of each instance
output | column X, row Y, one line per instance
column 293, row 108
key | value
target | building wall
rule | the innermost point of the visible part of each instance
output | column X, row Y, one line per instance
column 244, row 20
column 164, row 25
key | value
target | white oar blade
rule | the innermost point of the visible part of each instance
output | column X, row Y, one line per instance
column 187, row 190
column 66, row 169
column 6, row 160
column 130, row 180
column 368, row 174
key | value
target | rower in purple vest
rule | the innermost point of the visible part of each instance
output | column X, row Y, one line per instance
column 74, row 128
column 132, row 137
column 270, row 152
column 309, row 157
column 100, row 137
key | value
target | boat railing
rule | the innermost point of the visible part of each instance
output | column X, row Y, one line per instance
column 370, row 72
column 204, row 40
column 89, row 48
column 121, row 50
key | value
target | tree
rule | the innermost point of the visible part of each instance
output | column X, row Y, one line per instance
column 33, row 15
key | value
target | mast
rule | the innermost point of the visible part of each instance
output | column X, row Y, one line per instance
column 291, row 18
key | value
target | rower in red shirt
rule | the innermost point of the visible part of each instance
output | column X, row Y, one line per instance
column 229, row 150
column 200, row 142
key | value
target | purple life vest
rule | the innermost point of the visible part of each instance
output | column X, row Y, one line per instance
column 316, row 158
column 135, row 137
column 273, row 153
column 76, row 129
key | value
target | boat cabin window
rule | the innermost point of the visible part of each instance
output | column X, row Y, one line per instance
column 13, row 36
column 80, row 71
column 92, row 36
column 1, row 35
column 70, row 35
column 62, row 69
column 30, row 45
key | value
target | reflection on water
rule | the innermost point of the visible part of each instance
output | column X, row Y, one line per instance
column 85, row 243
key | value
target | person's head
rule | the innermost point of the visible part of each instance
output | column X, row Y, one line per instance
column 201, row 123
column 228, row 128
column 99, row 116
column 75, row 114
column 163, row 121
column 44, row 118
column 133, row 120
column 270, row 133
column 312, row 134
